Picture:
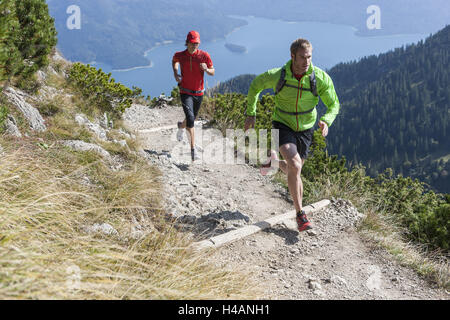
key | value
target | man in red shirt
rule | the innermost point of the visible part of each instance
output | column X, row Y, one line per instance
column 194, row 63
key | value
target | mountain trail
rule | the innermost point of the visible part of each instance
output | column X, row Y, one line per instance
column 208, row 199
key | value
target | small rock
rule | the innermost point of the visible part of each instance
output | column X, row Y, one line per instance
column 104, row 228
column 11, row 127
column 338, row 280
column 97, row 129
column 319, row 293
column 314, row 284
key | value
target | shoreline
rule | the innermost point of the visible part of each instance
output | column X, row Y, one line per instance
column 135, row 68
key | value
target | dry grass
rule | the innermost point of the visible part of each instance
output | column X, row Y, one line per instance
column 50, row 197
column 381, row 232
column 47, row 198
column 378, row 226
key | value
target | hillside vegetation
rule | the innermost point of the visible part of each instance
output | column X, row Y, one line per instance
column 398, row 103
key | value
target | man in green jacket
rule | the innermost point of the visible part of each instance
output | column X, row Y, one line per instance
column 298, row 86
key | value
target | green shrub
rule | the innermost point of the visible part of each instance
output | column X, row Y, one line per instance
column 99, row 88
column 49, row 109
column 28, row 36
column 29, row 84
column 425, row 214
column 175, row 95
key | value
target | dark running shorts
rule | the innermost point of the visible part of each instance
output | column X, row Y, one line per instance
column 301, row 139
column 191, row 106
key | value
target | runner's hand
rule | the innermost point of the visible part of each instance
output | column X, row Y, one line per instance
column 203, row 66
column 324, row 128
column 249, row 122
column 177, row 78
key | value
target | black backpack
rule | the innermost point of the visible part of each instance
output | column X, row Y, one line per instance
column 282, row 82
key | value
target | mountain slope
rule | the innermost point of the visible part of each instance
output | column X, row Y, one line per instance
column 395, row 111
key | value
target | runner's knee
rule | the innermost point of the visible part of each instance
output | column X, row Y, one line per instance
column 190, row 120
column 294, row 166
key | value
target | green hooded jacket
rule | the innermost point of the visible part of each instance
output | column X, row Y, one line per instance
column 296, row 100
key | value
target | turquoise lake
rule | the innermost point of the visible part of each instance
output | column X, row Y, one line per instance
column 267, row 42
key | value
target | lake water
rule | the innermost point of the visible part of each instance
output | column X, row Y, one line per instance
column 267, row 42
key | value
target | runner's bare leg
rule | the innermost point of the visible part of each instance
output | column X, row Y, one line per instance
column 292, row 166
column 191, row 132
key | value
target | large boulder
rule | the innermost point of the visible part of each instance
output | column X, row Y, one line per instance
column 30, row 113
column 79, row 145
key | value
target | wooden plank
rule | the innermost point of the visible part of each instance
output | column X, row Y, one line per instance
column 171, row 126
column 245, row 231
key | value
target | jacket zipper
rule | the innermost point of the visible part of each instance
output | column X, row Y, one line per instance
column 190, row 62
column 299, row 90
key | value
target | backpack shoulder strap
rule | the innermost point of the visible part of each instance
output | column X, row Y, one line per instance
column 313, row 83
column 282, row 81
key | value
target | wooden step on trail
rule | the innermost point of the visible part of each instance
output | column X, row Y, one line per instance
column 168, row 127
column 245, row 231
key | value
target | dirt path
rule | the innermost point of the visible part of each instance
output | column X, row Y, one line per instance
column 332, row 262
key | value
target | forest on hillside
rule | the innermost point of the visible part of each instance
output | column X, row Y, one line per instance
column 394, row 110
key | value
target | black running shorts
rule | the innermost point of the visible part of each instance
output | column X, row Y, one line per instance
column 191, row 106
column 301, row 139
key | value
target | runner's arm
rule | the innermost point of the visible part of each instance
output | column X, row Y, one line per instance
column 176, row 67
column 209, row 71
column 329, row 97
column 207, row 65
column 265, row 80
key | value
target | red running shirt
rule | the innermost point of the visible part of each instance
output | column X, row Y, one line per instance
column 192, row 75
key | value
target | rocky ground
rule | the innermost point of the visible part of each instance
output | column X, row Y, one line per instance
column 331, row 262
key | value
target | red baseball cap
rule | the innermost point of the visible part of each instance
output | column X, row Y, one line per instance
column 193, row 37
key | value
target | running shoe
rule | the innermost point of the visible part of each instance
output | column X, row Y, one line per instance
column 302, row 222
column 180, row 131
column 195, row 154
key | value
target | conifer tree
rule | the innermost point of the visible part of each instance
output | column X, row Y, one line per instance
column 29, row 38
column 9, row 26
